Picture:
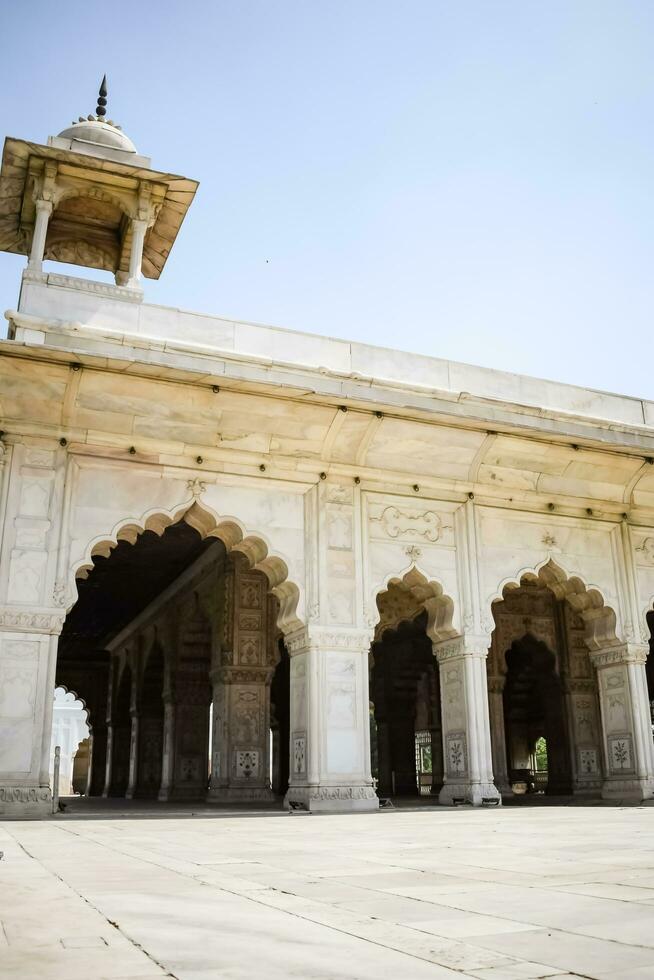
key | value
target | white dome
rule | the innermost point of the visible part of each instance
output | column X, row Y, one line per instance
column 103, row 133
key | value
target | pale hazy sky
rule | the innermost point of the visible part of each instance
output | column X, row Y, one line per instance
column 472, row 180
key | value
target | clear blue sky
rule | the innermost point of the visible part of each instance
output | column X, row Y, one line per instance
column 472, row 180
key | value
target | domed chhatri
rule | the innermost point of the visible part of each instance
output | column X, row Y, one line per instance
column 89, row 198
column 97, row 129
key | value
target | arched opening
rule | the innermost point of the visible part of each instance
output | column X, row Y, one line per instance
column 406, row 726
column 70, row 732
column 543, row 689
column 87, row 231
column 185, row 614
column 534, row 711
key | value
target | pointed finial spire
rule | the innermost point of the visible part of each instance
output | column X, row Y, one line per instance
column 102, row 98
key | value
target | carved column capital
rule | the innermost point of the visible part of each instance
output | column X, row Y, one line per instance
column 624, row 653
column 328, row 638
column 466, row 645
column 44, row 206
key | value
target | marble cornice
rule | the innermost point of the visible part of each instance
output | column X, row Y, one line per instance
column 225, row 366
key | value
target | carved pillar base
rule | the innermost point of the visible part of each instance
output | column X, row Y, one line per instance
column 466, row 727
column 498, row 736
column 626, row 726
column 25, row 802
column 332, row 799
column 330, row 731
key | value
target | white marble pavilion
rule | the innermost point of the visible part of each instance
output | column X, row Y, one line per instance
column 368, row 573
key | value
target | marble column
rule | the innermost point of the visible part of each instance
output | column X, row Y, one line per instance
column 498, row 735
column 98, row 760
column 330, row 729
column 582, row 706
column 626, row 726
column 168, row 753
column 466, row 727
column 134, row 746
column 241, row 688
column 43, row 213
column 241, row 734
column 139, row 228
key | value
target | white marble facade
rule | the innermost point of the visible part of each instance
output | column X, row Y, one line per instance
column 334, row 469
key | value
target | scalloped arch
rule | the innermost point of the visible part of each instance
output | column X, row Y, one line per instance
column 207, row 523
column 427, row 595
column 69, row 690
column 587, row 600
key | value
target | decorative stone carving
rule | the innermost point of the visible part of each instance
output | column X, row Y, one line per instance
column 620, row 754
column 246, row 717
column 247, row 764
column 343, row 793
column 462, row 646
column 413, row 552
column 299, row 754
column 456, row 755
column 646, row 551
column 196, row 487
column 32, row 622
column 453, row 696
column 409, row 523
column 244, row 675
column 75, row 252
column 59, row 593
column 104, row 289
column 628, row 654
column 339, row 494
column 300, row 640
column 25, row 794
column 588, row 762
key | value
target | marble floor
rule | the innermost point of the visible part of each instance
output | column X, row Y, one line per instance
column 511, row 894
